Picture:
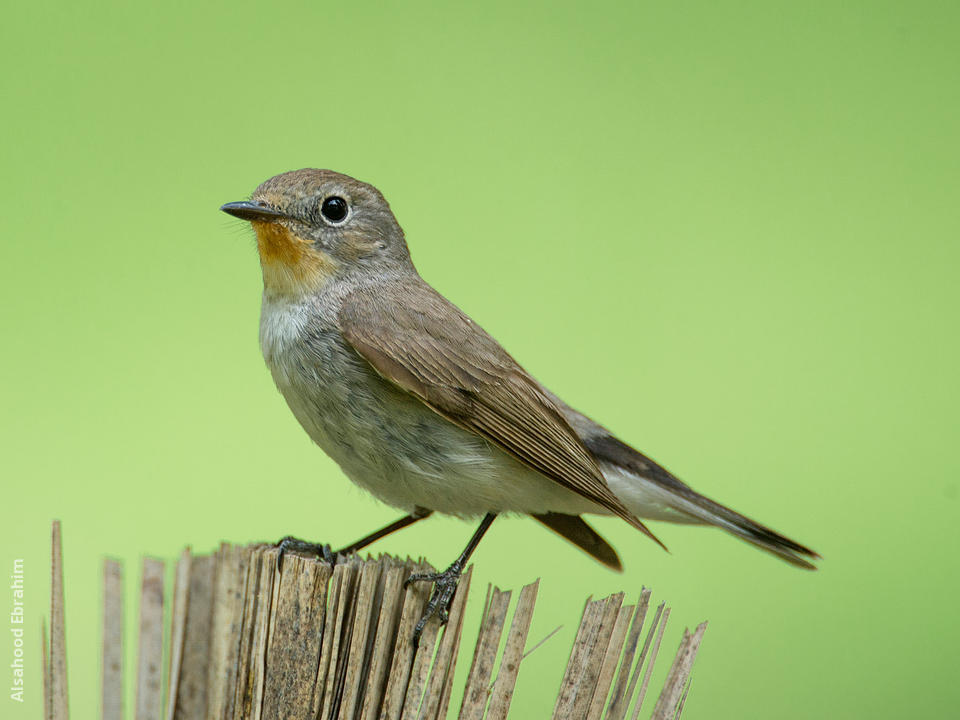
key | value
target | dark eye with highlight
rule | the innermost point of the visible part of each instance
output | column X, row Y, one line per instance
column 334, row 209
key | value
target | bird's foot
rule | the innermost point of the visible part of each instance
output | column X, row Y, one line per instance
column 292, row 544
column 444, row 586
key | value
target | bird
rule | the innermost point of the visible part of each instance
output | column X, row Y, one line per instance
column 425, row 410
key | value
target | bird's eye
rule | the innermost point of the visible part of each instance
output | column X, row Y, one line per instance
column 334, row 209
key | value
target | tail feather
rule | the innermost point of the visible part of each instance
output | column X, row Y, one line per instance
column 753, row 532
column 682, row 498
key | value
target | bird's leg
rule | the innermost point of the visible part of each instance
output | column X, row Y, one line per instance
column 323, row 551
column 445, row 583
column 418, row 514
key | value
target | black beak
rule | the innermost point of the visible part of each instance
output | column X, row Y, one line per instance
column 251, row 211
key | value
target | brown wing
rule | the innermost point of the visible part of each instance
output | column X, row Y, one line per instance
column 418, row 340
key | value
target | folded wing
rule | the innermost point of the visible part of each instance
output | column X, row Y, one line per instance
column 430, row 349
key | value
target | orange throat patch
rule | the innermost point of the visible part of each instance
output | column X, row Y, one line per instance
column 291, row 264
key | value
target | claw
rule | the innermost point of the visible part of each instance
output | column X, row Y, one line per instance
column 444, row 586
column 293, row 544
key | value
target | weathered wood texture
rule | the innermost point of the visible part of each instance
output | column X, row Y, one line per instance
column 111, row 668
column 605, row 647
column 149, row 697
column 56, row 702
column 250, row 639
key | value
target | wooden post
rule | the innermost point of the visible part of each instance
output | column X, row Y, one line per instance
column 250, row 639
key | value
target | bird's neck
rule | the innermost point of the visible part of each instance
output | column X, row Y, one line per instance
column 291, row 265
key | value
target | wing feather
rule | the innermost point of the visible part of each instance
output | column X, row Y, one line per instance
column 430, row 349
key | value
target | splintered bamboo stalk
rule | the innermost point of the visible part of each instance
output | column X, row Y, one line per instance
column 190, row 636
column 58, row 637
column 513, row 653
column 111, row 688
column 671, row 699
column 251, row 638
column 621, row 694
column 610, row 660
column 45, row 659
column 478, row 679
column 653, row 659
column 149, row 678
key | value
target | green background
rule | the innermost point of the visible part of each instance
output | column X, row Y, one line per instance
column 728, row 231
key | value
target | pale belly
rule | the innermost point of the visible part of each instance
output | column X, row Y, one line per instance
column 395, row 447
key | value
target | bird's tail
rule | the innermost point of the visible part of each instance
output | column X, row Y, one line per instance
column 706, row 510
column 663, row 496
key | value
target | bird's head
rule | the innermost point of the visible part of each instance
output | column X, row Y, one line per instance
column 316, row 225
